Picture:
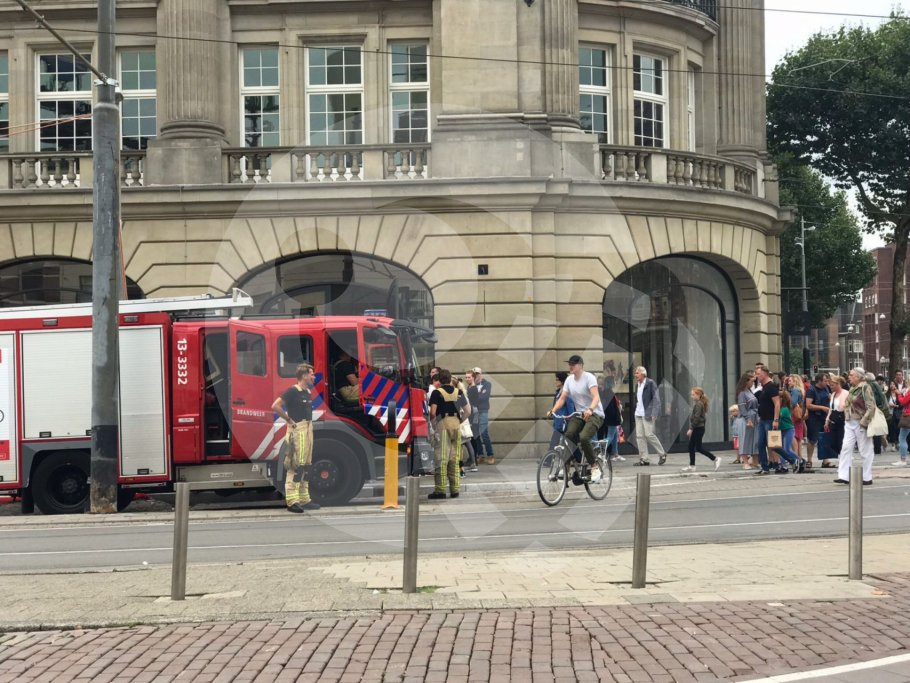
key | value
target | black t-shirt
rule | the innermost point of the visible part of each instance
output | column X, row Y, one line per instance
column 343, row 368
column 769, row 391
column 298, row 404
column 612, row 410
column 820, row 397
column 446, row 408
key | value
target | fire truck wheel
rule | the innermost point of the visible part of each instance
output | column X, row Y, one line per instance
column 124, row 498
column 60, row 484
column 335, row 476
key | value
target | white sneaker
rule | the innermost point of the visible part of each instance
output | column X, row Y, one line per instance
column 716, row 464
column 596, row 474
column 618, row 458
column 899, row 463
column 688, row 468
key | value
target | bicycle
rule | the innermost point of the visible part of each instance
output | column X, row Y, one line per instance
column 553, row 471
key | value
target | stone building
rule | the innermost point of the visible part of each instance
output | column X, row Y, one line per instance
column 532, row 178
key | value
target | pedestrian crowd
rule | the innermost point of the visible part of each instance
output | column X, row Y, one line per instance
column 779, row 423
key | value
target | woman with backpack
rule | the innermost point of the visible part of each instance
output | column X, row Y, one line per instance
column 448, row 407
column 797, row 413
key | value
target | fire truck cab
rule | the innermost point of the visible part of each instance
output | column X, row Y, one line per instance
column 196, row 388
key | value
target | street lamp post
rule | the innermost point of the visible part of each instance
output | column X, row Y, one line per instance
column 805, row 299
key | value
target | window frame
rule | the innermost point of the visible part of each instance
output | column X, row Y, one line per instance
column 279, row 366
column 4, row 100
column 409, row 87
column 605, row 91
column 258, row 91
column 55, row 96
column 244, row 356
column 312, row 90
column 644, row 96
column 691, row 75
column 138, row 94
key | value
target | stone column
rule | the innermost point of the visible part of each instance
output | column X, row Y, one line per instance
column 741, row 80
column 513, row 99
column 560, row 39
column 192, row 72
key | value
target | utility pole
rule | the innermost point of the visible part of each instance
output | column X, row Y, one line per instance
column 105, row 272
column 106, row 265
column 106, row 275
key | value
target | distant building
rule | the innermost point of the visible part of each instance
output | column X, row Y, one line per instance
column 877, row 314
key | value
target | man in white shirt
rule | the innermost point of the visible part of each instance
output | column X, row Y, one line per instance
column 647, row 410
column 581, row 387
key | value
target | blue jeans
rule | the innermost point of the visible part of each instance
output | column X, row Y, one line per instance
column 902, row 442
column 785, row 452
column 761, row 442
column 613, row 440
column 484, row 424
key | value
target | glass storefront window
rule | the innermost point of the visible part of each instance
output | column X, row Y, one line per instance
column 678, row 317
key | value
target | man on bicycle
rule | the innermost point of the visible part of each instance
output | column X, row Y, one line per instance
column 581, row 387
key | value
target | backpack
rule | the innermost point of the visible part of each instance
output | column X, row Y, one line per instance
column 451, row 422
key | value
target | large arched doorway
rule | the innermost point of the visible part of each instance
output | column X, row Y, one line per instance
column 342, row 283
column 45, row 281
column 678, row 317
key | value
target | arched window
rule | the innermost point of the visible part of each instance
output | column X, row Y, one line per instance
column 342, row 283
column 43, row 281
column 678, row 317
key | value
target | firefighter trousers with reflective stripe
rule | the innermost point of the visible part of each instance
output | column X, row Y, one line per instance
column 448, row 460
column 297, row 460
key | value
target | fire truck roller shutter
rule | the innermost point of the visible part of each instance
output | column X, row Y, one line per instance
column 9, row 439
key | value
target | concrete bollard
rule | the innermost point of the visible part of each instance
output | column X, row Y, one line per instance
column 856, row 522
column 181, row 533
column 640, row 538
column 411, row 520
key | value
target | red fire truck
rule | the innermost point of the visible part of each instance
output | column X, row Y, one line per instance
column 197, row 381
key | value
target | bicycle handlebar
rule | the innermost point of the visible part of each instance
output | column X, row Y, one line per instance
column 577, row 413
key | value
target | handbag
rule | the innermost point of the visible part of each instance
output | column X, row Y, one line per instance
column 904, row 422
column 775, row 439
column 465, row 429
column 879, row 425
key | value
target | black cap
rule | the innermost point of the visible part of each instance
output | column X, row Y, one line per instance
column 575, row 360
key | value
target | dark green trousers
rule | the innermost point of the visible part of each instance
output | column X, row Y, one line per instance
column 581, row 433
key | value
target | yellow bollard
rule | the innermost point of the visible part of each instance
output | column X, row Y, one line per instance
column 391, row 461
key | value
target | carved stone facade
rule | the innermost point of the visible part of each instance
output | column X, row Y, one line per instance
column 508, row 179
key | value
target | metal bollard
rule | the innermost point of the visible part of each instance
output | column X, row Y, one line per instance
column 640, row 538
column 856, row 521
column 412, row 516
column 390, row 488
column 181, row 532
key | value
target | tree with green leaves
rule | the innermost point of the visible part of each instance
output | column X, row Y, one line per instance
column 835, row 239
column 841, row 104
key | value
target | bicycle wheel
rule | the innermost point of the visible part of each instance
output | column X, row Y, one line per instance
column 551, row 478
column 599, row 489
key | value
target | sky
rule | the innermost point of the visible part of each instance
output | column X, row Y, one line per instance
column 787, row 31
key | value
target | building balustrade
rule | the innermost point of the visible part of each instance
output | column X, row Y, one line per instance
column 684, row 169
column 258, row 165
column 252, row 165
column 708, row 7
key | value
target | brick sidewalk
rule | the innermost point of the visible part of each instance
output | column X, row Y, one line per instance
column 663, row 642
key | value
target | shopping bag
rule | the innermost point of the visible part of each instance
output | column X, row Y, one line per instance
column 735, row 443
column 775, row 439
column 879, row 425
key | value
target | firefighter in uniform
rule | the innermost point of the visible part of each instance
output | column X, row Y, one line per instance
column 445, row 405
column 295, row 405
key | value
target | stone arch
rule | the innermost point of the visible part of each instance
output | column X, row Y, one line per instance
column 682, row 315
column 41, row 280
column 339, row 282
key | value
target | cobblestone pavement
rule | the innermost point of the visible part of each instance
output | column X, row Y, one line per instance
column 649, row 642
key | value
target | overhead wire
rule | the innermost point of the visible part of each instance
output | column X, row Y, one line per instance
column 495, row 60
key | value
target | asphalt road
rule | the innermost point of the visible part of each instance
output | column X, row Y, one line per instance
column 725, row 512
